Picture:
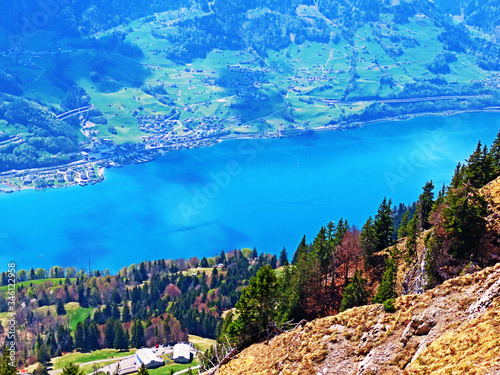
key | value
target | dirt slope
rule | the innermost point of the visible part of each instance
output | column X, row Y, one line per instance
column 451, row 329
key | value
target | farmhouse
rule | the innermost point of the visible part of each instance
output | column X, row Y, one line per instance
column 149, row 359
column 182, row 353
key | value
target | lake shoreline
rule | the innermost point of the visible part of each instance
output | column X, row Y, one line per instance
column 326, row 128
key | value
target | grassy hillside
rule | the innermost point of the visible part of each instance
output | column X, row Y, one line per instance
column 26, row 284
column 76, row 313
column 61, row 362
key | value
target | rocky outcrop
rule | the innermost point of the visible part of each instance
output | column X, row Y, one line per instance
column 449, row 329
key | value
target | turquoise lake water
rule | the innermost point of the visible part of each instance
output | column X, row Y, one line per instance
column 241, row 193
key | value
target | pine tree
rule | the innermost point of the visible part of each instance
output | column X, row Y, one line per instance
column 384, row 225
column 288, row 296
column 72, row 369
column 368, row 239
column 204, row 263
column 495, row 156
column 403, row 227
column 283, row 259
column 425, row 203
column 458, row 176
column 274, row 262
column 463, row 221
column 5, row 365
column 254, row 253
column 479, row 169
column 355, row 293
column 302, row 249
column 43, row 354
column 126, row 317
column 51, row 343
column 256, row 308
column 137, row 339
column 121, row 341
column 387, row 288
column 64, row 339
column 143, row 370
column 60, row 308
column 109, row 333
column 79, row 336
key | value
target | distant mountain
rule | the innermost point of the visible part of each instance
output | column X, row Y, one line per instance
column 187, row 73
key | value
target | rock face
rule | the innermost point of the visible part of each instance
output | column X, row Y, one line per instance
column 453, row 328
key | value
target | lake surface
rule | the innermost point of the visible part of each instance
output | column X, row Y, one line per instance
column 240, row 193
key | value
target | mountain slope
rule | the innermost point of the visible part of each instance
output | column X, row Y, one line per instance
column 452, row 329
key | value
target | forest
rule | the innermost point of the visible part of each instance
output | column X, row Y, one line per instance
column 155, row 302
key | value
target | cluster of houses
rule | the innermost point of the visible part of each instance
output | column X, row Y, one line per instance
column 197, row 132
column 81, row 173
column 156, row 124
column 493, row 80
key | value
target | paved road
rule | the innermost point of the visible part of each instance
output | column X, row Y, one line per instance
column 186, row 370
column 54, row 372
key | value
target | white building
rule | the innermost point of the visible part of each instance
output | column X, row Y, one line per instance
column 182, row 353
column 149, row 359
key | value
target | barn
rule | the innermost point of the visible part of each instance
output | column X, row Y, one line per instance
column 182, row 353
column 149, row 359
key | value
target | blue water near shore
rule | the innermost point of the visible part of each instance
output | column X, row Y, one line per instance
column 240, row 193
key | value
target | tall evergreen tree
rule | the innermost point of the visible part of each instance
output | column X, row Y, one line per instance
column 479, row 169
column 79, row 336
column 109, row 333
column 64, row 339
column 463, row 221
column 43, row 354
column 60, row 308
column 274, row 262
column 387, row 288
column 256, row 309
column 495, row 156
column 137, row 339
column 411, row 240
column 425, row 203
column 283, row 259
column 458, row 176
column 126, row 317
column 368, row 239
column 384, row 225
column 302, row 249
column 355, row 293
column 121, row 341
column 403, row 227
column 254, row 253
